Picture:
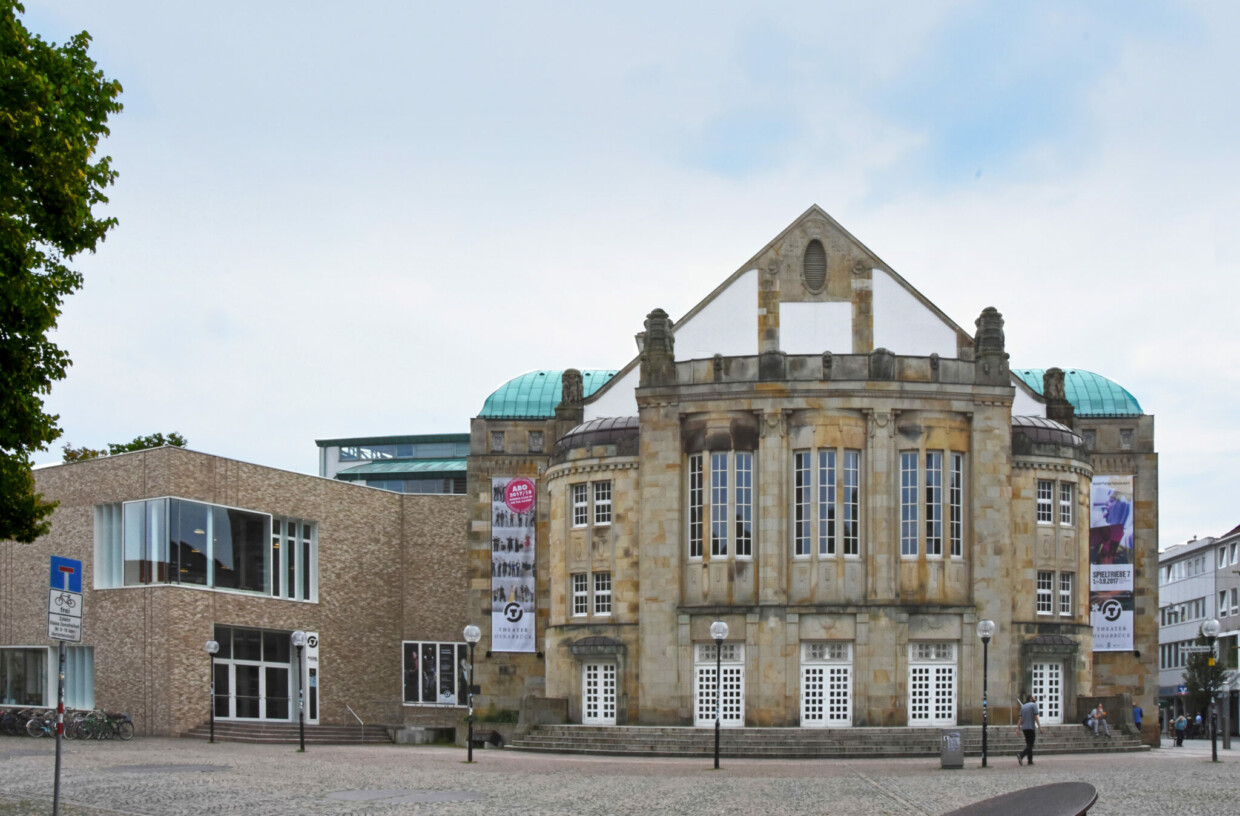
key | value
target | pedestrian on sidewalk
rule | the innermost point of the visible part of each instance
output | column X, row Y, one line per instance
column 1026, row 724
column 1181, row 725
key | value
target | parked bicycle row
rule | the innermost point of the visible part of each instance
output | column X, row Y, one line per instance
column 79, row 724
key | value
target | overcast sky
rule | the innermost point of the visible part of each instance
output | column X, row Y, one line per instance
column 361, row 218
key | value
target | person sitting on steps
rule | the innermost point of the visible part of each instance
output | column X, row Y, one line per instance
column 1098, row 717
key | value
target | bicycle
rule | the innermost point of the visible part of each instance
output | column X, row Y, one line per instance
column 41, row 725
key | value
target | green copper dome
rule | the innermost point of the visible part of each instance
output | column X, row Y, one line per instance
column 1090, row 394
column 535, row 395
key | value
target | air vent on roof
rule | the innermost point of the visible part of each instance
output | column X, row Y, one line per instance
column 814, row 268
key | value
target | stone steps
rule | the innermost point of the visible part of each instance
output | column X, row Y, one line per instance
column 287, row 733
column 1002, row 741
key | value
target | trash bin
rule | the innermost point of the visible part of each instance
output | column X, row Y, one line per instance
column 951, row 749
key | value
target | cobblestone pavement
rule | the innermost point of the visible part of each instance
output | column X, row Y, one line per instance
column 154, row 776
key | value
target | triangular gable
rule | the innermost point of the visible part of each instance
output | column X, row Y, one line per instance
column 861, row 304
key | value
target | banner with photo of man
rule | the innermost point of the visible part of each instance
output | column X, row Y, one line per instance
column 1111, row 563
column 512, row 564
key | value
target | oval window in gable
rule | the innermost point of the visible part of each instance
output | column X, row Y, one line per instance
column 814, row 266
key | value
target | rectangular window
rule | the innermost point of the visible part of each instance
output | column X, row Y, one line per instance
column 497, row 441
column 908, row 503
column 1046, row 493
column 602, row 593
column 823, row 509
column 1235, row 551
column 1066, row 494
column 23, row 677
column 1222, row 557
column 178, row 541
column 826, row 502
column 696, row 505
column 1046, row 585
column 801, row 510
column 743, row 505
column 581, row 594
column 934, row 504
column 852, row 502
column 718, row 504
column 1065, row 593
column 1235, row 600
column 956, row 500
column 581, row 506
column 602, row 503
column 1222, row 604
column 435, row 673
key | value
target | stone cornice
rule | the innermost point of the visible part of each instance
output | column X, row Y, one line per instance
column 571, row 468
column 1058, row 467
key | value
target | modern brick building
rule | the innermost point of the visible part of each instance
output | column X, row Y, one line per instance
column 180, row 548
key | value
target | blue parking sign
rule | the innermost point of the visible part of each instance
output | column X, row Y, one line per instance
column 66, row 574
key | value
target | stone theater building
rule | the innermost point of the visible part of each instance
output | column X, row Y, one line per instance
column 820, row 458
column 815, row 455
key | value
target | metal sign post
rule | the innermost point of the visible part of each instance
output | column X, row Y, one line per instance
column 64, row 622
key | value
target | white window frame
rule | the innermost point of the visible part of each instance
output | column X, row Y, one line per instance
column 1067, row 498
column 955, row 499
column 1045, row 497
column 602, row 593
column 1045, row 588
column 602, row 503
column 910, row 504
column 1222, row 603
column 696, row 504
column 825, row 512
column 720, row 504
column 579, row 592
column 934, row 504
column 1067, row 580
column 581, row 505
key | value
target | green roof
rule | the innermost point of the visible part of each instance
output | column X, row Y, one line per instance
column 411, row 468
column 1090, row 394
column 535, row 395
column 416, row 439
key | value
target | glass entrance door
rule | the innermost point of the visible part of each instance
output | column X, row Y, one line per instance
column 1048, row 688
column 253, row 675
column 598, row 694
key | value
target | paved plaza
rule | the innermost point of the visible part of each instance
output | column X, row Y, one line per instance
column 177, row 776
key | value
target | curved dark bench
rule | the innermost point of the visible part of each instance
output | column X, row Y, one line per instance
column 1059, row 799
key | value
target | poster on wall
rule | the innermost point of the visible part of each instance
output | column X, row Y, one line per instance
column 1111, row 563
column 512, row 564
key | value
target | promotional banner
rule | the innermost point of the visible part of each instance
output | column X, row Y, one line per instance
column 512, row 564
column 1111, row 563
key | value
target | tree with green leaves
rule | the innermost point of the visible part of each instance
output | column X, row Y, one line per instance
column 54, row 108
column 155, row 440
column 1198, row 675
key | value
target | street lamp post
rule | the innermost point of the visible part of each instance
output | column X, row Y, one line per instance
column 718, row 631
column 472, row 635
column 1209, row 630
column 213, row 648
column 985, row 631
column 299, row 640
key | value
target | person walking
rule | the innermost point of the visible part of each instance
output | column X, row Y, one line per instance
column 1181, row 725
column 1027, row 721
